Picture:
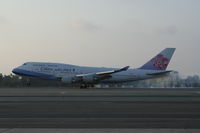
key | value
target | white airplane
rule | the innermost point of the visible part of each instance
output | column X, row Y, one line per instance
column 89, row 76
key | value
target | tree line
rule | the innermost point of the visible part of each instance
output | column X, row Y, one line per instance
column 174, row 80
column 18, row 81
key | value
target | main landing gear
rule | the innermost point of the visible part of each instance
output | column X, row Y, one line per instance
column 28, row 82
column 84, row 86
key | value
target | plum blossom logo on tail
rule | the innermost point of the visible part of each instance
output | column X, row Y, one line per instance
column 160, row 61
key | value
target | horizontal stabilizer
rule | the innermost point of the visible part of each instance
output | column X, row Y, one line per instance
column 159, row 73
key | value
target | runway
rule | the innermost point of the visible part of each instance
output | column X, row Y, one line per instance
column 100, row 108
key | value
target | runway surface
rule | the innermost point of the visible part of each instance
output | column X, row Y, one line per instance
column 100, row 108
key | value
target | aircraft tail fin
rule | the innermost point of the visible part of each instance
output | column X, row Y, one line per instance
column 160, row 61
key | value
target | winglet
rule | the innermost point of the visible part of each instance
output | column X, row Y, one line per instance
column 123, row 69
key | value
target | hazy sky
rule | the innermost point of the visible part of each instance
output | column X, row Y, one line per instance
column 110, row 33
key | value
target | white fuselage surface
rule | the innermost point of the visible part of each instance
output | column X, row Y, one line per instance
column 57, row 71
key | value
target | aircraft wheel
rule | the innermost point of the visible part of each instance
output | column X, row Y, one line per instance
column 28, row 82
column 84, row 86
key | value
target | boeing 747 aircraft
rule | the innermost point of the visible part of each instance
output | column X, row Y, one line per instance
column 89, row 76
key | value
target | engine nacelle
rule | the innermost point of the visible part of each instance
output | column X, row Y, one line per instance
column 68, row 80
column 89, row 78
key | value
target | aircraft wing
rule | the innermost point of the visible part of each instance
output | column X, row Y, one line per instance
column 113, row 71
column 95, row 77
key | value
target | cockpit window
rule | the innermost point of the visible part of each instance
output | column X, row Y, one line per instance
column 24, row 64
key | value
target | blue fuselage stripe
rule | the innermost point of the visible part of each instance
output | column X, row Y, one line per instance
column 33, row 74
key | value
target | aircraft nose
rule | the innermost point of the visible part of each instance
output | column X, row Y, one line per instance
column 15, row 70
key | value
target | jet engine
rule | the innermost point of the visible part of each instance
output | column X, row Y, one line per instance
column 68, row 80
column 90, row 78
